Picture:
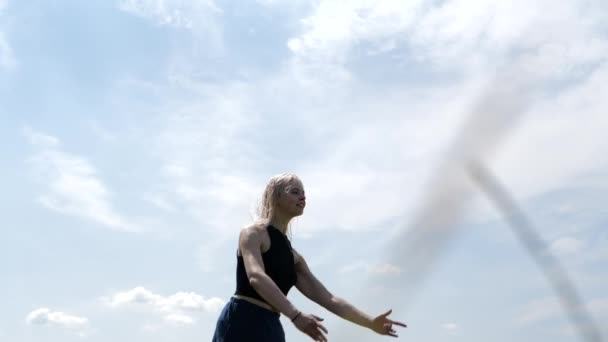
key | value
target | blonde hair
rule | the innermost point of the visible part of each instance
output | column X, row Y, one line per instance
column 276, row 185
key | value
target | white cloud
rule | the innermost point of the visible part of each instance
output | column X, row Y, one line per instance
column 207, row 159
column 373, row 148
column 451, row 328
column 599, row 307
column 354, row 267
column 176, row 309
column 455, row 34
column 150, row 328
column 386, row 268
column 364, row 151
column 101, row 132
column 566, row 246
column 176, row 13
column 219, row 153
column 7, row 56
column 40, row 139
column 351, row 181
column 335, row 26
column 73, row 186
column 160, row 201
column 45, row 316
column 371, row 269
column 567, row 132
column 178, row 319
column 274, row 3
column 540, row 310
column 209, row 250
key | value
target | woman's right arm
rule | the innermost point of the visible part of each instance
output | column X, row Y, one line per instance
column 250, row 243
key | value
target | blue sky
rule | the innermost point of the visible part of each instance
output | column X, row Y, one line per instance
column 138, row 135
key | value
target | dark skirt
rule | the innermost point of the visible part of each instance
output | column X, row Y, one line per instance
column 241, row 321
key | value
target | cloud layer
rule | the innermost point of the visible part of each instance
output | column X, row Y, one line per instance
column 175, row 309
column 48, row 317
column 72, row 184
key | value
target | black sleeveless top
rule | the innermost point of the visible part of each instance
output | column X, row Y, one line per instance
column 278, row 265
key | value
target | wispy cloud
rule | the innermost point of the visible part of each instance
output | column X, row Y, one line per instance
column 539, row 310
column 208, row 251
column 207, row 157
column 73, row 186
column 599, row 307
column 178, row 319
column 360, row 98
column 343, row 190
column 372, row 269
column 47, row 317
column 454, row 34
column 576, row 113
column 418, row 119
column 219, row 143
column 7, row 56
column 546, row 309
column 100, row 131
column 176, row 13
column 160, row 202
column 451, row 328
column 175, row 309
column 566, row 246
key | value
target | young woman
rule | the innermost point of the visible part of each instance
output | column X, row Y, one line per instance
column 268, row 267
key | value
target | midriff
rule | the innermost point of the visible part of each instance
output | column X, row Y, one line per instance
column 256, row 302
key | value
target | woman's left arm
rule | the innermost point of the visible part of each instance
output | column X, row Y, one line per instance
column 314, row 290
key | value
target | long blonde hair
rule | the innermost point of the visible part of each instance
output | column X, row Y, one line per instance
column 276, row 185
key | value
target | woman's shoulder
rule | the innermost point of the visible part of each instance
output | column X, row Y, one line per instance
column 256, row 234
column 254, row 229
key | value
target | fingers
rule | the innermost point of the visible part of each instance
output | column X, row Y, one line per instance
column 317, row 334
column 391, row 321
column 319, row 325
column 399, row 324
column 313, row 328
column 387, row 328
column 319, row 337
column 317, row 317
column 390, row 331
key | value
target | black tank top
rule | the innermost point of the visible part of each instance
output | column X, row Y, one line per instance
column 278, row 265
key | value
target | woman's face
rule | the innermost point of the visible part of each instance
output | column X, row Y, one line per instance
column 293, row 199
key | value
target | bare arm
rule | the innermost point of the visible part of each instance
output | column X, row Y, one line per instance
column 250, row 243
column 313, row 289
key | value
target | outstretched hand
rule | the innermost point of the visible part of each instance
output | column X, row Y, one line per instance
column 384, row 326
column 311, row 326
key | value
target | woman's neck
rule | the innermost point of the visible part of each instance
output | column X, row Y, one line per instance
column 280, row 222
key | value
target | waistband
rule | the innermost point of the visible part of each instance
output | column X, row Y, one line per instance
column 256, row 302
